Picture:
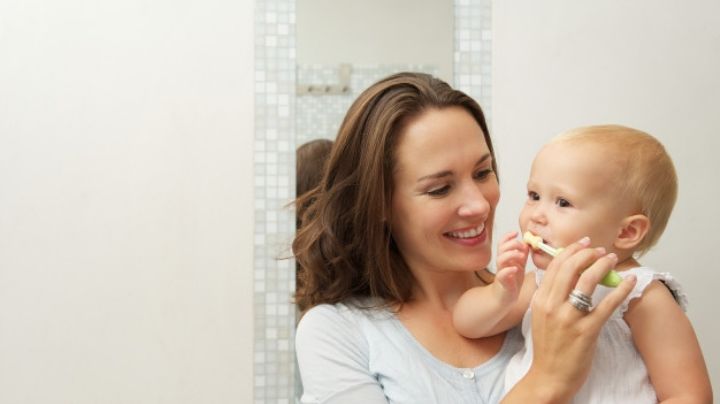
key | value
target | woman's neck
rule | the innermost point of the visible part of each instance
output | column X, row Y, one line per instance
column 442, row 289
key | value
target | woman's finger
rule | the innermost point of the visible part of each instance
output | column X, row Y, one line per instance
column 569, row 272
column 553, row 268
column 592, row 276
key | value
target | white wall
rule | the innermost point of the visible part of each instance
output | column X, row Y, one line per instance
column 126, row 201
column 647, row 64
column 376, row 32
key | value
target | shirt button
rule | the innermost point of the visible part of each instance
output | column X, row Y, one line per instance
column 468, row 374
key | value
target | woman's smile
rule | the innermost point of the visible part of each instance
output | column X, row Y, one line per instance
column 469, row 236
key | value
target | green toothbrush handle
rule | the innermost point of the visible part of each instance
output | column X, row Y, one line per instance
column 612, row 279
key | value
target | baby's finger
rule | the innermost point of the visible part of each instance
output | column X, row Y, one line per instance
column 518, row 245
column 507, row 277
column 507, row 257
column 513, row 245
column 505, row 273
column 507, row 238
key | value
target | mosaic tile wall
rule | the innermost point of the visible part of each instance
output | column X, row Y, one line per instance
column 274, row 165
column 283, row 121
column 473, row 51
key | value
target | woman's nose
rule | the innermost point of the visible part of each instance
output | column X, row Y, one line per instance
column 473, row 203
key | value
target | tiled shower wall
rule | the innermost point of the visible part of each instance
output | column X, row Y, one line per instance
column 284, row 121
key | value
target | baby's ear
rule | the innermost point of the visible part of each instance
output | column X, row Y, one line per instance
column 632, row 231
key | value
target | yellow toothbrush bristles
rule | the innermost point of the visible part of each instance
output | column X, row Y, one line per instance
column 531, row 239
column 537, row 243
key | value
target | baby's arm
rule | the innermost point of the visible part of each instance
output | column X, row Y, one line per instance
column 488, row 310
column 668, row 345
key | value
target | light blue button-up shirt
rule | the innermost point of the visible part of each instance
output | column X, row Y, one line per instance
column 348, row 355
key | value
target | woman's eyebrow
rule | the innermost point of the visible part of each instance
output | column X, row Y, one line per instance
column 447, row 173
column 441, row 174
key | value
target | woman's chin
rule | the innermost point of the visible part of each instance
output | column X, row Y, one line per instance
column 470, row 262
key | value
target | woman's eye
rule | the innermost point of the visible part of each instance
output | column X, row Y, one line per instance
column 563, row 203
column 482, row 174
column 533, row 196
column 439, row 191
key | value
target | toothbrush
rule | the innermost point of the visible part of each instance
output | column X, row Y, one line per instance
column 612, row 279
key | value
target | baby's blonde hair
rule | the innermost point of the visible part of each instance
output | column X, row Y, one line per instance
column 648, row 174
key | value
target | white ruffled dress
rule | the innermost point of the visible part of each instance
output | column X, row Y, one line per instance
column 618, row 373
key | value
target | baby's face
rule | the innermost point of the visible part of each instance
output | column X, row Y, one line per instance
column 572, row 193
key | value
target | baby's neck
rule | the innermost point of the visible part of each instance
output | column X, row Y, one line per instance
column 627, row 263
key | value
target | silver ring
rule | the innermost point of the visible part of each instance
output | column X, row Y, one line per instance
column 580, row 301
column 582, row 296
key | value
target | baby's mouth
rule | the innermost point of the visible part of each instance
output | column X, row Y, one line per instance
column 543, row 240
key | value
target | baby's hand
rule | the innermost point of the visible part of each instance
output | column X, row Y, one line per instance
column 511, row 259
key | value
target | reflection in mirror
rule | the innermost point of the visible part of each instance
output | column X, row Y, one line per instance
column 344, row 46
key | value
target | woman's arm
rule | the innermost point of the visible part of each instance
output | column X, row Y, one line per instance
column 332, row 356
column 564, row 338
column 668, row 345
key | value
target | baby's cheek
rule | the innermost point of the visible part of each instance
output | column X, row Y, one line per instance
column 522, row 221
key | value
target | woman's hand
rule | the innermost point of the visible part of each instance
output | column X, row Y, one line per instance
column 564, row 338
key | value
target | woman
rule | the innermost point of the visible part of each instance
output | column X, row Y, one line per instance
column 399, row 228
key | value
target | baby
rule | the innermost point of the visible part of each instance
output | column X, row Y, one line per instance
column 617, row 186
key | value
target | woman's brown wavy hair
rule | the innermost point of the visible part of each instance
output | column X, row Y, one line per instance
column 345, row 248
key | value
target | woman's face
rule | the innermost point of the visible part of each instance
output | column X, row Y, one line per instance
column 445, row 193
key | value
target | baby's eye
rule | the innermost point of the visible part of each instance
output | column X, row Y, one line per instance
column 533, row 196
column 482, row 174
column 440, row 191
column 563, row 203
